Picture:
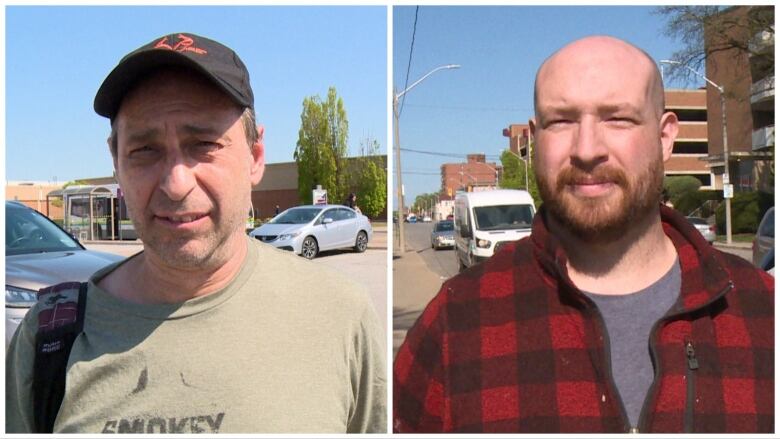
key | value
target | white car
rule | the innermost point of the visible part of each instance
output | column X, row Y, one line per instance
column 706, row 229
column 308, row 230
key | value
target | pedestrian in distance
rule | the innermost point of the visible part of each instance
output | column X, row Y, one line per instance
column 614, row 315
column 199, row 332
column 352, row 202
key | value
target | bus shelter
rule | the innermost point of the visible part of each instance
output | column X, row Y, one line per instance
column 90, row 212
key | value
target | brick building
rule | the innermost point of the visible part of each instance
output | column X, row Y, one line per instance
column 691, row 145
column 473, row 174
column 33, row 194
column 749, row 83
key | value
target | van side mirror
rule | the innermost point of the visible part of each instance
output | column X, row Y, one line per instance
column 465, row 232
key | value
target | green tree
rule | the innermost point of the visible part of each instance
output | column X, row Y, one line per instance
column 513, row 175
column 424, row 202
column 681, row 191
column 371, row 180
column 322, row 147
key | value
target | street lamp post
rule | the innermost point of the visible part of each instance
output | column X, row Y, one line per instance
column 399, row 189
column 726, row 179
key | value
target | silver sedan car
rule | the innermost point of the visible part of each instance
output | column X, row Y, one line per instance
column 308, row 230
column 706, row 229
column 443, row 235
column 38, row 253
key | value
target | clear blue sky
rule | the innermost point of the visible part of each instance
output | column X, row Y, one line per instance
column 57, row 57
column 499, row 48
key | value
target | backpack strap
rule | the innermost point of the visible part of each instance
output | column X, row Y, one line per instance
column 61, row 310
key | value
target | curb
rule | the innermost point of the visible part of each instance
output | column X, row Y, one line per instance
column 734, row 245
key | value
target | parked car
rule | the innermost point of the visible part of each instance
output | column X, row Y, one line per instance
column 765, row 237
column 38, row 253
column 443, row 235
column 768, row 262
column 411, row 218
column 707, row 230
column 427, row 219
column 308, row 230
column 450, row 217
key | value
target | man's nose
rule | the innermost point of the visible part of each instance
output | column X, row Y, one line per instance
column 178, row 177
column 588, row 148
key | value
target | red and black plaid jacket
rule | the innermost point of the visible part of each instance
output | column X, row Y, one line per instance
column 513, row 346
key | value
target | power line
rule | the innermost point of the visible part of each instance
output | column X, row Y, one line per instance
column 409, row 65
column 448, row 154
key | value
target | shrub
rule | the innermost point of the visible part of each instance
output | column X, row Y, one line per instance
column 677, row 187
column 691, row 201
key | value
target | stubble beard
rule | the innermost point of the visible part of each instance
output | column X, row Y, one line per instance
column 188, row 251
column 603, row 219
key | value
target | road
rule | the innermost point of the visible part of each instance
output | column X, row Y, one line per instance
column 442, row 262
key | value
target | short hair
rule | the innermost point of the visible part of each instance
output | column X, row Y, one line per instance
column 247, row 119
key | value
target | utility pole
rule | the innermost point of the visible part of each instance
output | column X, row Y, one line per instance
column 400, row 188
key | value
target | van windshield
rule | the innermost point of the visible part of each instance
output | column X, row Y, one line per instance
column 504, row 217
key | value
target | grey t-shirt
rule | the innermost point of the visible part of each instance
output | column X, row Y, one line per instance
column 629, row 319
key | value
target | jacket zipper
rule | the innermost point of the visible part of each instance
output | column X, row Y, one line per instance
column 690, row 385
column 690, row 382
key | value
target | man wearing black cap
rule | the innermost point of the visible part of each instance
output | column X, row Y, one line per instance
column 203, row 331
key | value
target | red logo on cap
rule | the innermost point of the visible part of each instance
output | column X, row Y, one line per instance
column 185, row 44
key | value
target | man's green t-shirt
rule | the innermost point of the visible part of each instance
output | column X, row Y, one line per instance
column 288, row 346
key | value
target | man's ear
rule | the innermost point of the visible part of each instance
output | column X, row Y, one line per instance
column 532, row 126
column 113, row 158
column 669, row 126
column 257, row 166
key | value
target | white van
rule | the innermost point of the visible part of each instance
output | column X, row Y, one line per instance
column 486, row 220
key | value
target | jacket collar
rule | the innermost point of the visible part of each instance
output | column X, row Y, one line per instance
column 704, row 279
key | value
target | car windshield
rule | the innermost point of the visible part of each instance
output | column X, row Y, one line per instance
column 301, row 215
column 503, row 217
column 444, row 226
column 27, row 231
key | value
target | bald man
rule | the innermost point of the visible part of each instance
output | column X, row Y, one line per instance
column 615, row 315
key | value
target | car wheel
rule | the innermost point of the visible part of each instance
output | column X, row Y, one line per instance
column 309, row 248
column 361, row 242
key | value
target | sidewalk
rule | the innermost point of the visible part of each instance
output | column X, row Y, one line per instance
column 734, row 245
column 414, row 285
column 378, row 240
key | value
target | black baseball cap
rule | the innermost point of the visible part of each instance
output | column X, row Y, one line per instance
column 213, row 60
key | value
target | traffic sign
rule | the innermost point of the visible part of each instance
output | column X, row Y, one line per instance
column 728, row 191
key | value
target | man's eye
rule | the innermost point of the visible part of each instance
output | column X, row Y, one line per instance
column 207, row 146
column 142, row 151
column 558, row 122
column 617, row 120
